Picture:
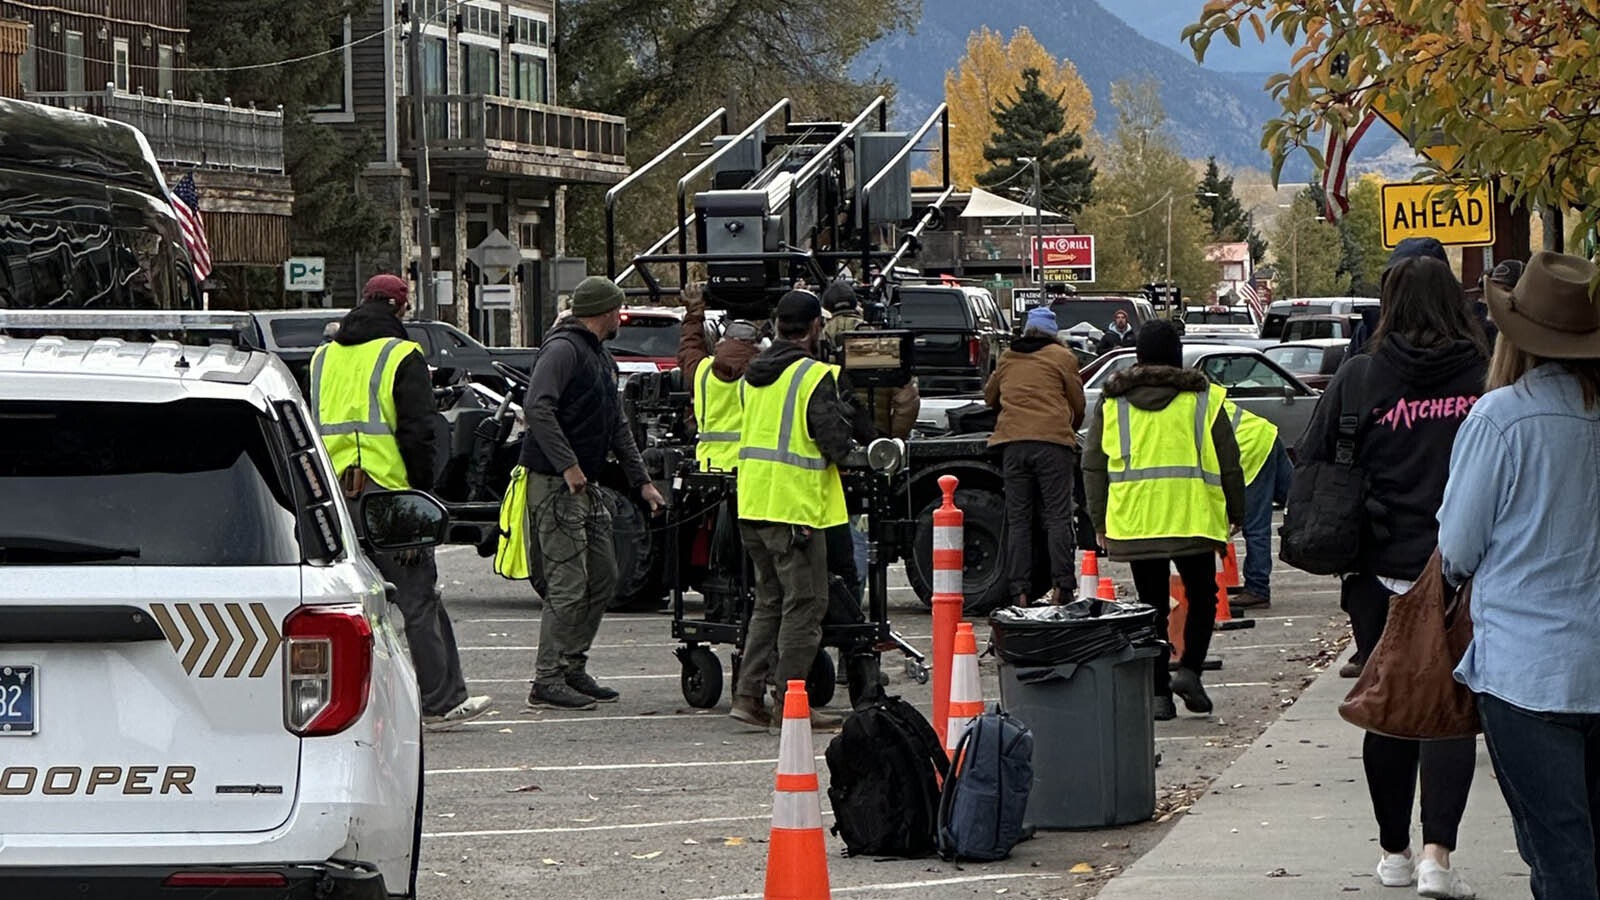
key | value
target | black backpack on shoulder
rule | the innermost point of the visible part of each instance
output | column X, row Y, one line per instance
column 884, row 769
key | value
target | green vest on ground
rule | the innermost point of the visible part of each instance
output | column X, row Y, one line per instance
column 783, row 476
column 719, row 414
column 1255, row 436
column 1166, row 481
column 352, row 393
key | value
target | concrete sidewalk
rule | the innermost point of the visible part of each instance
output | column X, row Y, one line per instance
column 1291, row 819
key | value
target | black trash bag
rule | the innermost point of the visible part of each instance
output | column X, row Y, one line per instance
column 1077, row 632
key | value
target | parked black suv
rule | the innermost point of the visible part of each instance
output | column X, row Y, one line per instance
column 958, row 335
column 294, row 334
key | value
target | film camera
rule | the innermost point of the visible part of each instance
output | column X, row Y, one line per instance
column 878, row 358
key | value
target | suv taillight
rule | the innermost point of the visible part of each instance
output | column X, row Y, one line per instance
column 327, row 668
column 974, row 351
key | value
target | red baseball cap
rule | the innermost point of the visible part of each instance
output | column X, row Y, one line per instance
column 387, row 287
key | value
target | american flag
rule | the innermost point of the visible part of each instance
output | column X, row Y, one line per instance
column 1341, row 144
column 194, row 227
column 1248, row 294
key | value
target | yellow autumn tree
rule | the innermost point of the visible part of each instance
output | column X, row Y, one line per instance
column 991, row 72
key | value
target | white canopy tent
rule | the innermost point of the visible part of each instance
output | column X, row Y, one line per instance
column 984, row 205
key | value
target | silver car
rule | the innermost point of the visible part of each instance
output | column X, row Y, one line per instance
column 1254, row 382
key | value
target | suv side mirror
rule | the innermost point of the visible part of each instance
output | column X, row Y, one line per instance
column 402, row 520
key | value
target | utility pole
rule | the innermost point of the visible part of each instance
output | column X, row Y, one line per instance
column 1166, row 267
column 419, row 114
column 1038, row 221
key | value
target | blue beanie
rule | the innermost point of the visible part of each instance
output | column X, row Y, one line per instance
column 1043, row 318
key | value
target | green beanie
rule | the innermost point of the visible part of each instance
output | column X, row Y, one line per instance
column 595, row 296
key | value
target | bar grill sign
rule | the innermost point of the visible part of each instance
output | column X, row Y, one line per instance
column 1064, row 258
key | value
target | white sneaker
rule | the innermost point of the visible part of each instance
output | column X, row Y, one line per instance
column 1396, row 869
column 470, row 709
column 1434, row 880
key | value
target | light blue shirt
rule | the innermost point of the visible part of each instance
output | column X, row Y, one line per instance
column 1521, row 515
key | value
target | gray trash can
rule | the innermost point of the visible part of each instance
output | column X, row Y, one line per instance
column 1093, row 737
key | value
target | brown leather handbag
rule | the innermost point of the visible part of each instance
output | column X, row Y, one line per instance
column 1407, row 689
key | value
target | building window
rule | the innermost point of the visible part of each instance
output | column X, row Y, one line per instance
column 165, row 62
column 72, row 49
column 531, row 31
column 530, row 77
column 480, row 70
column 121, row 64
column 331, row 98
column 435, row 66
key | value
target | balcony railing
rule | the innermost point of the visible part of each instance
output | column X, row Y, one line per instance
column 185, row 132
column 479, row 123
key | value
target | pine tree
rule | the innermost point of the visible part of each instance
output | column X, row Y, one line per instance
column 1229, row 220
column 1033, row 125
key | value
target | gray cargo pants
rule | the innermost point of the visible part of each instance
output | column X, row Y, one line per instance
column 573, row 532
column 428, row 631
column 791, row 586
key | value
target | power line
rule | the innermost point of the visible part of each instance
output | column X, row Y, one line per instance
column 253, row 67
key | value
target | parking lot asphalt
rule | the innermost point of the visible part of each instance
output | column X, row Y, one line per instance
column 648, row 797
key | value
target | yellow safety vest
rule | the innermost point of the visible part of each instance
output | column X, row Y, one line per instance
column 352, row 392
column 1166, row 481
column 719, row 413
column 783, row 476
column 1255, row 436
column 511, row 548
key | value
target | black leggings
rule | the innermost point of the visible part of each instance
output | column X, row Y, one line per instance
column 1152, row 583
column 1393, row 764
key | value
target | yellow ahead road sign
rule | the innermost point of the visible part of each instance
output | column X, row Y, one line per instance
column 1452, row 214
column 1430, row 143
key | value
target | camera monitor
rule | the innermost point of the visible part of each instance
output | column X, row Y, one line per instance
column 877, row 358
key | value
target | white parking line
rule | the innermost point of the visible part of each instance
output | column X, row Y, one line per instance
column 631, row 826
column 607, row 767
column 904, row 885
column 711, row 716
column 638, row 646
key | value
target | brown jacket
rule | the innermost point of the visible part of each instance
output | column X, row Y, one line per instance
column 1154, row 388
column 1039, row 394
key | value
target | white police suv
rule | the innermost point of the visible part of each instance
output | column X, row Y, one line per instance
column 201, row 694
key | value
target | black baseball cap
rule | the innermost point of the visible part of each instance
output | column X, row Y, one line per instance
column 798, row 308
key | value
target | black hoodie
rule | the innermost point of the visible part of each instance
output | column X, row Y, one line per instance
column 413, row 389
column 1412, row 402
column 828, row 417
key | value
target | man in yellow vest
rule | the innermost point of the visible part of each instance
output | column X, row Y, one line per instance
column 795, row 431
column 714, row 379
column 373, row 399
column 1267, row 471
column 1164, row 486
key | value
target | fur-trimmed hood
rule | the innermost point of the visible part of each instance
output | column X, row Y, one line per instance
column 1154, row 387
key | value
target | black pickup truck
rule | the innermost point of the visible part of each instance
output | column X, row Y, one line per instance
column 958, row 335
column 294, row 334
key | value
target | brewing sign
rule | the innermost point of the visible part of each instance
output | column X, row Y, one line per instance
column 1064, row 258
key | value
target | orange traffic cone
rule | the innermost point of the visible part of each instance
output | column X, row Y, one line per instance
column 1107, row 590
column 1228, row 577
column 966, row 694
column 797, row 857
column 1088, row 575
column 1178, row 614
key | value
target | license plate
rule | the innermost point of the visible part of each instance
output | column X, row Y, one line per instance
column 19, row 700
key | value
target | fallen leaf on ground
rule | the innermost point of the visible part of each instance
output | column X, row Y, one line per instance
column 690, row 841
column 733, row 842
column 1281, row 873
column 524, row 789
column 651, row 855
column 550, row 862
column 1082, row 868
column 506, row 731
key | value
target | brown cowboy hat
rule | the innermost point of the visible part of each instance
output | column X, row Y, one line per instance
column 1551, row 312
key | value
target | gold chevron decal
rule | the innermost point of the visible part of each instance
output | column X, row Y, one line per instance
column 211, row 631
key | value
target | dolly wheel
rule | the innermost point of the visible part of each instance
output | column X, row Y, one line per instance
column 821, row 682
column 702, row 678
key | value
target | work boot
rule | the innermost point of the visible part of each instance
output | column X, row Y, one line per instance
column 821, row 722
column 1164, row 709
column 1249, row 600
column 1186, row 684
column 750, row 711
column 558, row 696
column 584, row 683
